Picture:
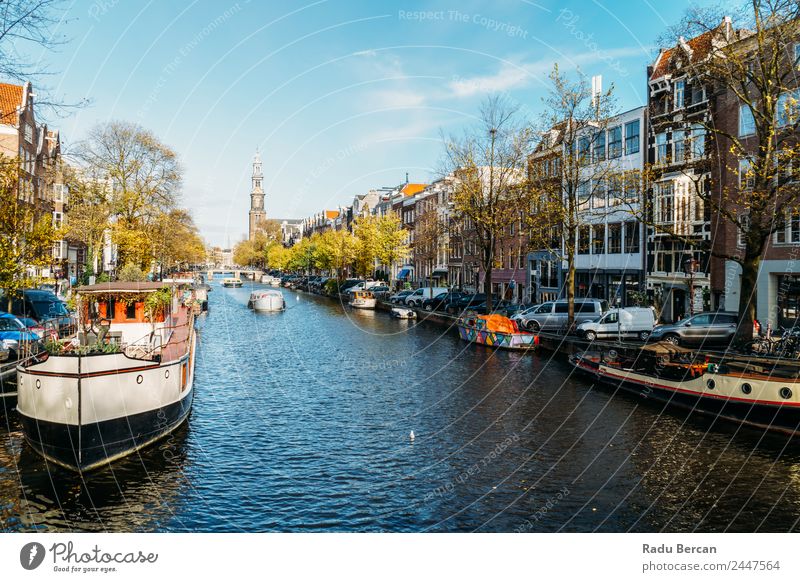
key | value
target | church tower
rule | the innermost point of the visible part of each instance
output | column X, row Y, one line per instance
column 257, row 214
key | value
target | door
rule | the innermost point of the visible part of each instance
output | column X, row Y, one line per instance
column 723, row 327
column 698, row 329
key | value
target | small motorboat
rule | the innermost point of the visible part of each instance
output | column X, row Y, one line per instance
column 271, row 280
column 231, row 282
column 269, row 300
column 403, row 313
column 362, row 300
column 496, row 331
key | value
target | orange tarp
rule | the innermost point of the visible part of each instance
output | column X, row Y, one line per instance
column 499, row 323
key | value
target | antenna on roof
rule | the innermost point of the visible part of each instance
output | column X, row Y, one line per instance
column 597, row 89
column 406, row 177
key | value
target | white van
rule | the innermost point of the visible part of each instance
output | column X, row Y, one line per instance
column 618, row 323
column 423, row 293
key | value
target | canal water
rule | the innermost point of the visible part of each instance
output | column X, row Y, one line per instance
column 302, row 422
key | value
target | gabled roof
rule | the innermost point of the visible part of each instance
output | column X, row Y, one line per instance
column 694, row 50
column 10, row 99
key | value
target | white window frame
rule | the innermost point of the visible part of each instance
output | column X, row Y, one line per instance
column 679, row 95
column 750, row 129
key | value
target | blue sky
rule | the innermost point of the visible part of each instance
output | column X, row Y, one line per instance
column 339, row 96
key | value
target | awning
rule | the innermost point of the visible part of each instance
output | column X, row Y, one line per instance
column 403, row 273
column 440, row 271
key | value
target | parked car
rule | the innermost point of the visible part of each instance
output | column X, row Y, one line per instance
column 466, row 301
column 400, row 296
column 621, row 323
column 423, row 293
column 498, row 307
column 348, row 284
column 42, row 306
column 554, row 315
column 713, row 327
column 520, row 315
column 514, row 309
column 14, row 334
column 441, row 300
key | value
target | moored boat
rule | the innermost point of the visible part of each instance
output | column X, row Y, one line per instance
column 231, row 282
column 362, row 300
column 125, row 381
column 403, row 313
column 755, row 392
column 271, row 280
column 496, row 331
column 269, row 300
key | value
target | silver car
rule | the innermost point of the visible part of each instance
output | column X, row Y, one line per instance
column 714, row 327
column 554, row 315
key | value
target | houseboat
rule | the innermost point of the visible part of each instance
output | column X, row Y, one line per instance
column 231, row 282
column 362, row 300
column 123, row 382
column 269, row 300
column 496, row 331
column 763, row 393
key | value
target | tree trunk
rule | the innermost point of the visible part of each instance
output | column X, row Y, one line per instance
column 570, row 285
column 748, row 298
column 487, row 280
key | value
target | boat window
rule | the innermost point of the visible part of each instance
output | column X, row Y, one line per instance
column 130, row 311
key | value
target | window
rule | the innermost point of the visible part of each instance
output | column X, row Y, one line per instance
column 584, row 234
column 701, row 320
column 583, row 150
column 130, row 311
column 632, row 185
column 599, row 146
column 582, row 195
column 664, row 203
column 746, row 176
column 747, row 124
column 794, row 226
column 562, row 307
column 679, row 146
column 698, row 93
column 631, row 237
column 661, row 148
column 28, row 133
column 796, row 54
column 599, row 194
column 615, row 238
column 698, row 139
column 615, row 187
column 598, row 239
column 615, row 142
column 632, row 137
column 680, row 87
column 786, row 109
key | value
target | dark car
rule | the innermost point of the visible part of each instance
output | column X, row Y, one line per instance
column 41, row 306
column 498, row 307
column 466, row 301
column 441, row 300
column 713, row 327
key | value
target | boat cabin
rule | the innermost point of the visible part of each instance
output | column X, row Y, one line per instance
column 129, row 311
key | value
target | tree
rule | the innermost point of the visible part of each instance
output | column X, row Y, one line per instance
column 336, row 250
column 392, row 237
column 25, row 241
column 144, row 178
column 176, row 241
column 574, row 121
column 430, row 234
column 489, row 163
column 365, row 231
column 278, row 257
column 753, row 69
column 89, row 212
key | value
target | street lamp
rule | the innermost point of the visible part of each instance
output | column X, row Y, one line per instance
column 689, row 268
